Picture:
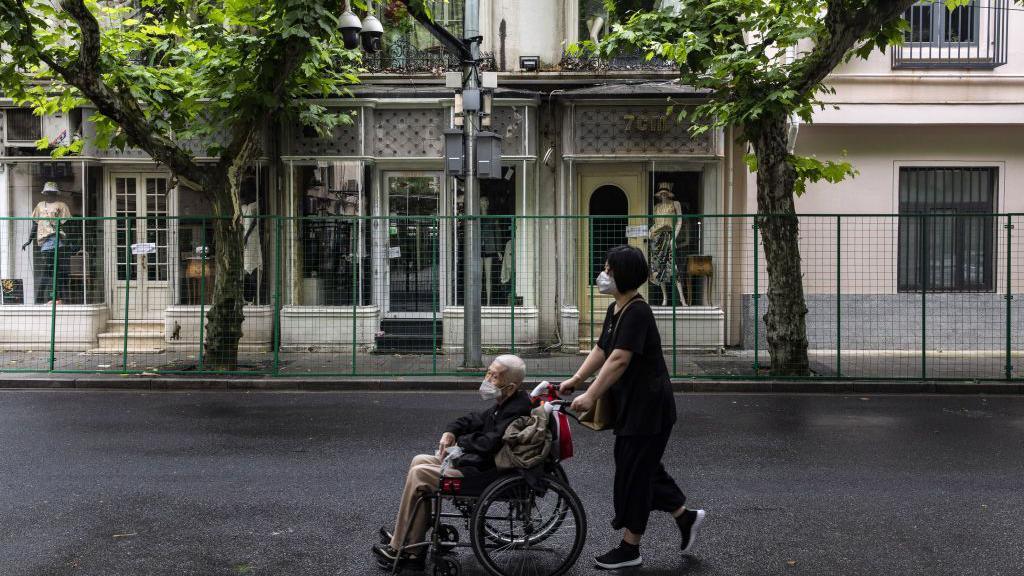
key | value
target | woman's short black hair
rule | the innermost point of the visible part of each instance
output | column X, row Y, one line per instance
column 628, row 266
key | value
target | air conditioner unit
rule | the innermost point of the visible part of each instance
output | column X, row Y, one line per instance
column 21, row 128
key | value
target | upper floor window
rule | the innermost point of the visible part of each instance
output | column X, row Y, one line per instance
column 968, row 36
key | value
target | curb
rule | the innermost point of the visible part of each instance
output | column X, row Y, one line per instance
column 157, row 383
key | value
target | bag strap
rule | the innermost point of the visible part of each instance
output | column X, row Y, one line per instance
column 622, row 313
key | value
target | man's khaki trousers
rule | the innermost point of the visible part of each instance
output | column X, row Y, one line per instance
column 423, row 479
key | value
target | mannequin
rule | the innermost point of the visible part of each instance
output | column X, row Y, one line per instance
column 47, row 213
column 492, row 246
column 252, row 259
column 663, row 235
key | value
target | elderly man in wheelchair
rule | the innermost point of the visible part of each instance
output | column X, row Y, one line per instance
column 500, row 471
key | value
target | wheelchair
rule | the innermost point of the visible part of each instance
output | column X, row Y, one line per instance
column 514, row 526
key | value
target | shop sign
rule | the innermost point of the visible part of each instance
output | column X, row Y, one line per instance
column 143, row 248
column 646, row 123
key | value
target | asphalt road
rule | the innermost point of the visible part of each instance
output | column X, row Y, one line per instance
column 210, row 483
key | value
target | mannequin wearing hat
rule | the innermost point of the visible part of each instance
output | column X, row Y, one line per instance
column 667, row 227
column 47, row 213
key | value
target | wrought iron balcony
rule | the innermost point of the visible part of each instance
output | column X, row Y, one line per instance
column 638, row 61
column 970, row 36
column 402, row 56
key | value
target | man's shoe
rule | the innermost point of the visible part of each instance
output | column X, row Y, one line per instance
column 385, row 536
column 623, row 556
column 689, row 524
column 387, row 556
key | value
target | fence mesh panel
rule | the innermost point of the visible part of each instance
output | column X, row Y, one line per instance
column 936, row 296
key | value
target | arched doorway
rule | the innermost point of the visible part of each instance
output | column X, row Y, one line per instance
column 611, row 201
column 609, row 209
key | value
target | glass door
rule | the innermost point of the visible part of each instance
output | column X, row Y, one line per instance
column 142, row 268
column 413, row 202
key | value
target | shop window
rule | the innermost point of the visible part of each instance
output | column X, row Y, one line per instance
column 56, row 250
column 497, row 250
column 946, row 229
column 197, row 248
column 675, row 236
column 330, row 250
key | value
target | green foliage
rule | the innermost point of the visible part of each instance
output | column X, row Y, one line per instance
column 197, row 69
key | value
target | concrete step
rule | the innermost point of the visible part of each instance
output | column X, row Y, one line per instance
column 145, row 339
column 131, row 350
column 135, row 326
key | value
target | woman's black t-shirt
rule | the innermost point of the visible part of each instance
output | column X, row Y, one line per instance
column 644, row 403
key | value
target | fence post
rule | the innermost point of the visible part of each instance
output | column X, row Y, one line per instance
column 435, row 297
column 129, row 269
column 277, row 295
column 590, row 281
column 1009, row 297
column 839, row 297
column 353, row 242
column 512, row 300
column 53, row 296
column 925, row 271
column 202, row 293
column 757, row 313
column 672, row 287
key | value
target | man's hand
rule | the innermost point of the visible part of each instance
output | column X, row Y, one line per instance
column 25, row 245
column 447, row 441
column 568, row 386
column 583, row 403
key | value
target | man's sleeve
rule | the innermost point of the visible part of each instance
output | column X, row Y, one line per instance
column 633, row 327
column 467, row 424
column 486, row 442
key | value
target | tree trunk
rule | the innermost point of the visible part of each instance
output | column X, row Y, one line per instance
column 224, row 320
column 780, row 232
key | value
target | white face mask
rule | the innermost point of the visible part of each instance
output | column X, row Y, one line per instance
column 606, row 284
column 488, row 391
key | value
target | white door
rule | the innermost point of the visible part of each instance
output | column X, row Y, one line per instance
column 141, row 271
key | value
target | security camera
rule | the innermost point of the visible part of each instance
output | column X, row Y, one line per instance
column 350, row 27
column 372, row 34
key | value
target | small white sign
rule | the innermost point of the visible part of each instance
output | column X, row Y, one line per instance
column 636, row 231
column 394, row 252
column 143, row 248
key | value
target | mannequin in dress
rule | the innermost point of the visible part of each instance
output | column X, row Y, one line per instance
column 252, row 255
column 663, row 235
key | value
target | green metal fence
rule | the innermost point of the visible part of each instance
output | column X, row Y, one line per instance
column 913, row 296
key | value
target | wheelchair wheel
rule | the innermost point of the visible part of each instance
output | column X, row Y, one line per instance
column 512, row 531
column 549, row 521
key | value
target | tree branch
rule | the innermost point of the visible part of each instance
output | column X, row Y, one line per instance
column 843, row 29
column 118, row 105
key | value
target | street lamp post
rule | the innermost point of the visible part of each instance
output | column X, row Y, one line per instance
column 471, row 250
column 468, row 50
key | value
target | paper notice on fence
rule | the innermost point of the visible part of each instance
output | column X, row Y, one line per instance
column 143, row 248
column 636, row 231
column 394, row 252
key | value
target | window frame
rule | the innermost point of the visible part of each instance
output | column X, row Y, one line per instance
column 910, row 272
column 939, row 18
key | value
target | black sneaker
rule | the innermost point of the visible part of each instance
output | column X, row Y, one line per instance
column 385, row 535
column 689, row 524
column 624, row 556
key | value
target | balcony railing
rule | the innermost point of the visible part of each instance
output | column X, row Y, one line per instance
column 402, row 56
column 585, row 62
column 970, row 36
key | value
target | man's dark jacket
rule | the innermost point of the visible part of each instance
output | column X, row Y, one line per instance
column 479, row 434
